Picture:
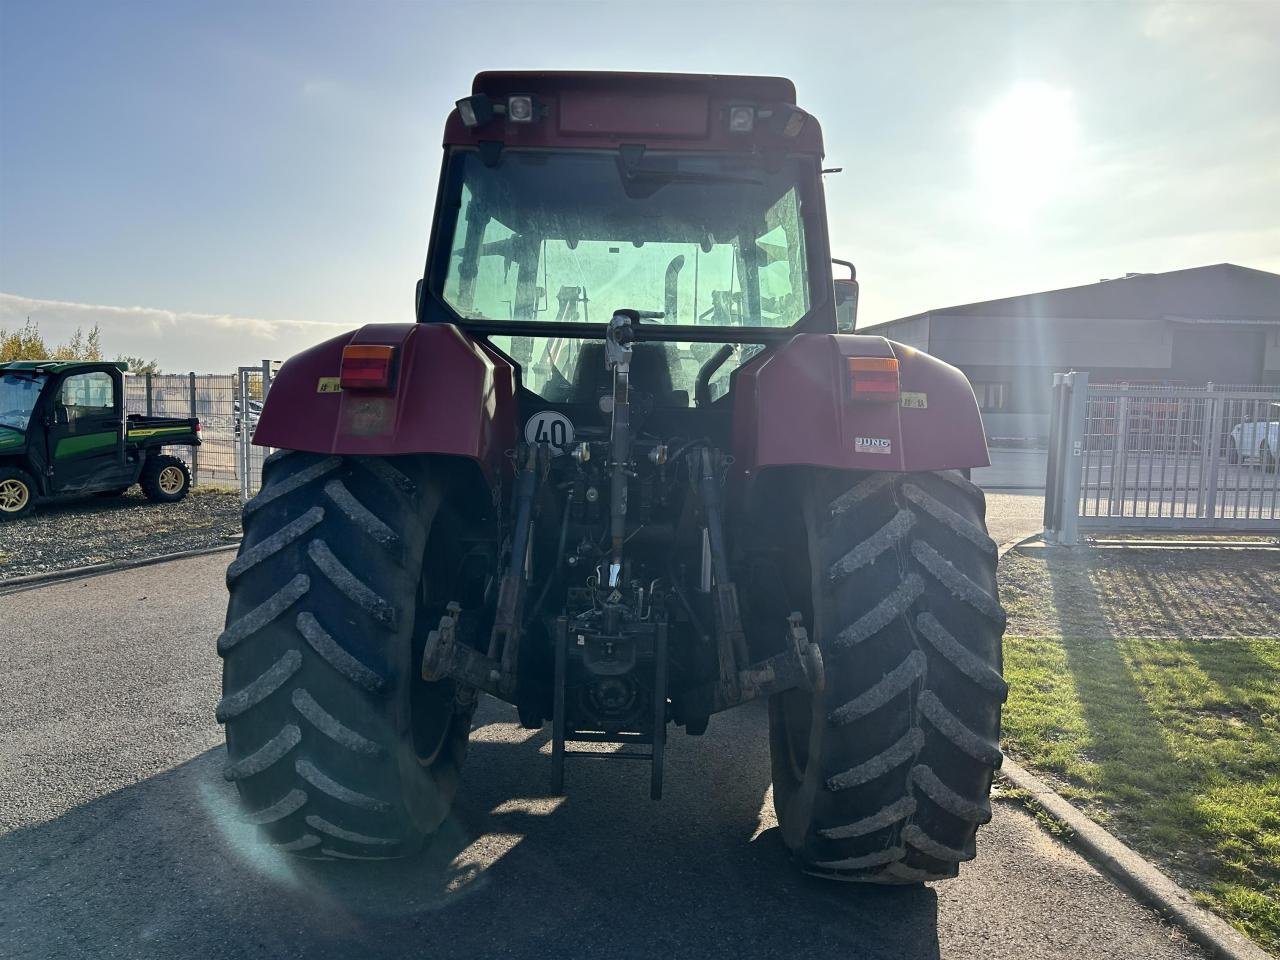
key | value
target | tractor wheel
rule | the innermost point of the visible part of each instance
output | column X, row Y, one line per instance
column 165, row 479
column 17, row 493
column 884, row 776
column 336, row 746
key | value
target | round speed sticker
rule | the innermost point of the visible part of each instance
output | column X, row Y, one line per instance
column 551, row 427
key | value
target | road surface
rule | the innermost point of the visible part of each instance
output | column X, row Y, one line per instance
column 118, row 835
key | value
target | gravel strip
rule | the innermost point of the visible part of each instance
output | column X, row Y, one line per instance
column 76, row 533
column 1012, row 515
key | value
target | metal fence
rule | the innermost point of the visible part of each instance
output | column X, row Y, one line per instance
column 1123, row 456
column 252, row 384
column 227, row 406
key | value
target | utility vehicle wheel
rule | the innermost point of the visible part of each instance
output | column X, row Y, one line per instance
column 1233, row 452
column 165, row 479
column 17, row 493
column 336, row 746
column 885, row 775
column 1266, row 459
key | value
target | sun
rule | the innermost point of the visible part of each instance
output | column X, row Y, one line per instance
column 1025, row 150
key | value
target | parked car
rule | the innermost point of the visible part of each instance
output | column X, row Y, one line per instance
column 255, row 410
column 1256, row 441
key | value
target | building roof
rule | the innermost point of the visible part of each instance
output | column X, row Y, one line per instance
column 1194, row 295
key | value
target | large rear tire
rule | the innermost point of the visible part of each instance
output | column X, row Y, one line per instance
column 884, row 776
column 337, row 747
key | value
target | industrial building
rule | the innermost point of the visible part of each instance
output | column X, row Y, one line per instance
column 1218, row 324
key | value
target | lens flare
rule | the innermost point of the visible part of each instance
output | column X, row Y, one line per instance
column 1025, row 151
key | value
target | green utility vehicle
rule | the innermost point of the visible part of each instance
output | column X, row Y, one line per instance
column 64, row 432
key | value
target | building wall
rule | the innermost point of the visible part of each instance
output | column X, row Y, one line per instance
column 1054, row 343
column 914, row 332
column 1271, row 357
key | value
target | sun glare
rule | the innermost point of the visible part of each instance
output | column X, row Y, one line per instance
column 1024, row 147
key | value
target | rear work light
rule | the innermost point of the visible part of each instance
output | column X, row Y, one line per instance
column 366, row 367
column 873, row 379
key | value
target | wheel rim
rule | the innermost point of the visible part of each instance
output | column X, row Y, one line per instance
column 170, row 480
column 14, row 495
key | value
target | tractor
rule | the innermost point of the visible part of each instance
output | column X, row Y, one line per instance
column 629, row 468
column 64, row 433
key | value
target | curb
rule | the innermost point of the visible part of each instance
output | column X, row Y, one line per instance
column 1139, row 876
column 31, row 581
column 1017, row 542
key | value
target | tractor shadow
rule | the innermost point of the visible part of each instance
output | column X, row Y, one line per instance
column 164, row 869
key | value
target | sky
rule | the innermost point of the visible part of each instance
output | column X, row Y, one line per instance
column 219, row 183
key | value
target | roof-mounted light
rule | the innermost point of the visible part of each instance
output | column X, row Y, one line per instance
column 520, row 108
column 742, row 118
column 475, row 110
column 787, row 120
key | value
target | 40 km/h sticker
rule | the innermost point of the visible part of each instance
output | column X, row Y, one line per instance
column 549, row 426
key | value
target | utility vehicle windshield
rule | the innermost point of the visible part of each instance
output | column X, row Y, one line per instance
column 18, row 395
column 708, row 240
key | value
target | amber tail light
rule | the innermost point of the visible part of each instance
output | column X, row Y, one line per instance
column 366, row 367
column 873, row 379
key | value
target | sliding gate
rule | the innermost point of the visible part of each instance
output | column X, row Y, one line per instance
column 1161, row 458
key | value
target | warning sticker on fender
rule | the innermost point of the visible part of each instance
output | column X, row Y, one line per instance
column 915, row 401
column 872, row 445
column 329, row 385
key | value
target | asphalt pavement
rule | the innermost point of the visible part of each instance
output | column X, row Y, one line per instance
column 119, row 837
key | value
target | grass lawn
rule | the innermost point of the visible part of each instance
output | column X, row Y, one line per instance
column 1146, row 685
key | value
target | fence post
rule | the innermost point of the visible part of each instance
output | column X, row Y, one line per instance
column 1119, row 459
column 148, row 378
column 1211, row 447
column 1053, row 464
column 242, row 446
column 195, row 451
column 1073, row 457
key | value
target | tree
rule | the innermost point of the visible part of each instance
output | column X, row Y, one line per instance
column 139, row 366
column 27, row 344
column 23, row 344
column 80, row 347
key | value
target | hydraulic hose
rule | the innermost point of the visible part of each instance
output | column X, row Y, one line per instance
column 702, row 385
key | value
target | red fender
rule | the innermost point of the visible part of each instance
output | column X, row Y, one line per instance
column 449, row 395
column 792, row 407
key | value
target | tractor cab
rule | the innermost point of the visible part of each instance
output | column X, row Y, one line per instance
column 64, row 432
column 698, row 206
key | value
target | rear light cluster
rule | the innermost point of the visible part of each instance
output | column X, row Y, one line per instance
column 873, row 379
column 366, row 366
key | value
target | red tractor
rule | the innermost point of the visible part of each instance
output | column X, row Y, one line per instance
column 623, row 473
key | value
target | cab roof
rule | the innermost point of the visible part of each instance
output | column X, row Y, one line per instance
column 605, row 109
column 58, row 366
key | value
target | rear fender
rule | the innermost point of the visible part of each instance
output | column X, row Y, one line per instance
column 791, row 408
column 449, row 395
